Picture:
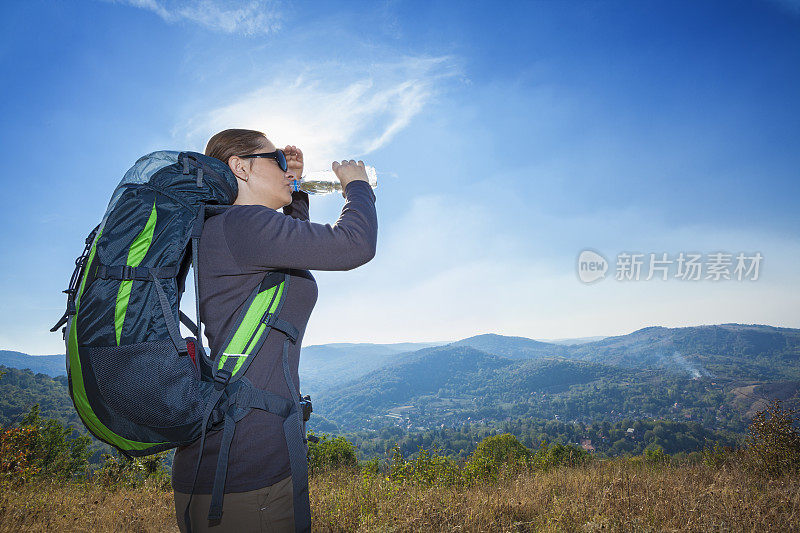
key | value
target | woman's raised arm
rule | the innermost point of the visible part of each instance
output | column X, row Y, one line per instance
column 261, row 238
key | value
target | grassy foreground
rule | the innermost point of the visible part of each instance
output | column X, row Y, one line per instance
column 612, row 495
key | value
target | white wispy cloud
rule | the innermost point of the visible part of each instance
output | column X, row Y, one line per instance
column 334, row 110
column 249, row 17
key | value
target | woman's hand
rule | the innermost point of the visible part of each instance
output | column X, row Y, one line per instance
column 349, row 171
column 294, row 160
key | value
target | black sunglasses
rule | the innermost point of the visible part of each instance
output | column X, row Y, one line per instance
column 277, row 155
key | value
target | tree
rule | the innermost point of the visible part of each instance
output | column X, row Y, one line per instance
column 495, row 453
column 330, row 453
column 773, row 440
column 43, row 448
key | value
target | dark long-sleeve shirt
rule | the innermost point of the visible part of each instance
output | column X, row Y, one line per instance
column 236, row 249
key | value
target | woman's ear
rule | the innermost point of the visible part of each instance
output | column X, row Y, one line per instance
column 238, row 167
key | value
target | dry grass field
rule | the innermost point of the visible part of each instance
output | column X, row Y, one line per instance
column 613, row 495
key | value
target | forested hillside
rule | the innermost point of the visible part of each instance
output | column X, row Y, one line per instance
column 713, row 375
column 675, row 387
column 21, row 389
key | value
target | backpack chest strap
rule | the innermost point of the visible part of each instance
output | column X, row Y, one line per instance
column 127, row 272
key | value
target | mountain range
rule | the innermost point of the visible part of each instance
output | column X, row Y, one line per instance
column 52, row 365
column 714, row 374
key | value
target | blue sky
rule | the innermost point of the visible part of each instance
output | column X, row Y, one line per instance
column 508, row 138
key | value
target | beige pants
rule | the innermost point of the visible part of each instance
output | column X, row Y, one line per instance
column 267, row 510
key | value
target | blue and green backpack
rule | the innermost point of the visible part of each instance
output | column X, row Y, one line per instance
column 136, row 383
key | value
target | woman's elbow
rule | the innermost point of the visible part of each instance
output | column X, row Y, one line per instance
column 370, row 252
column 363, row 254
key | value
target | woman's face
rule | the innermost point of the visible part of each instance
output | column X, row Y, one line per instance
column 261, row 180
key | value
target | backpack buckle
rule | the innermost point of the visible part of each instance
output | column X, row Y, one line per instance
column 221, row 378
column 308, row 408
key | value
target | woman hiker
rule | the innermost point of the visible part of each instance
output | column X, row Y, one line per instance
column 236, row 249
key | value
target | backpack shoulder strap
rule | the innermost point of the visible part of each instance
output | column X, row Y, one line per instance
column 203, row 213
column 234, row 395
column 258, row 317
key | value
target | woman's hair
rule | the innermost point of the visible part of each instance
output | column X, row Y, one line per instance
column 231, row 142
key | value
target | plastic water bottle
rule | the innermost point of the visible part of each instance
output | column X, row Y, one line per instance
column 325, row 181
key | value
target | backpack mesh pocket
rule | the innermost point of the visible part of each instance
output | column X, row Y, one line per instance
column 147, row 383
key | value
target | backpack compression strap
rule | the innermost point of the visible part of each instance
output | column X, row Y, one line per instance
column 294, row 430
